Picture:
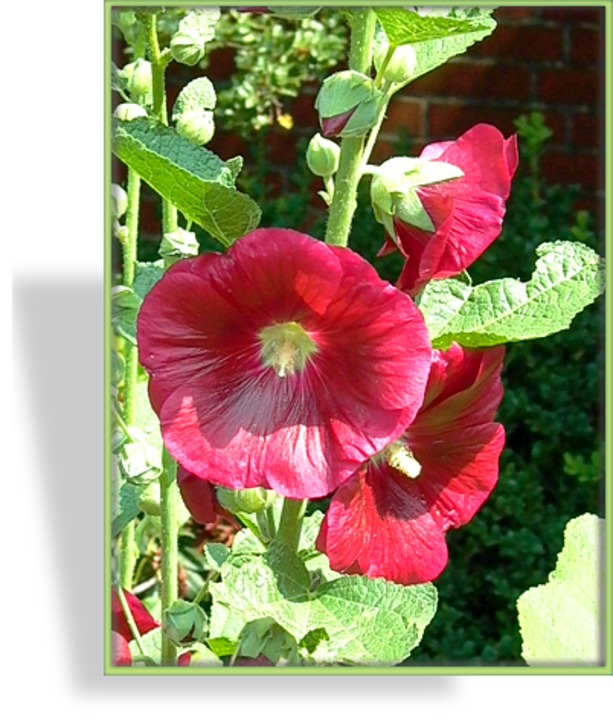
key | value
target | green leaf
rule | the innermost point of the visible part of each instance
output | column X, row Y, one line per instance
column 561, row 622
column 568, row 277
column 430, row 53
column 197, row 95
column 366, row 621
column 192, row 178
column 128, row 509
column 215, row 555
column 152, row 645
column 127, row 301
column 405, row 27
column 146, row 275
column 200, row 23
column 202, row 656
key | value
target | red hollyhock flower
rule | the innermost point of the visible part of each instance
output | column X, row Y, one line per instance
column 283, row 364
column 144, row 622
column 467, row 212
column 389, row 520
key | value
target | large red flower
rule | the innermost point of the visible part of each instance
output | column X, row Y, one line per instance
column 389, row 520
column 467, row 212
column 284, row 363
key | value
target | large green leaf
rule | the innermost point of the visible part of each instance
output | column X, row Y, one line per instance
column 568, row 277
column 192, row 178
column 406, row 27
column 358, row 620
column 435, row 38
column 562, row 622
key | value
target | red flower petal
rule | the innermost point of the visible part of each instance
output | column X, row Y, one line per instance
column 467, row 212
column 333, row 126
column 144, row 622
column 383, row 524
column 120, row 650
column 198, row 496
column 227, row 417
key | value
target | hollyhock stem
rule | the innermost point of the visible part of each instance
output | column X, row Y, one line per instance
column 128, row 553
column 290, row 523
column 344, row 202
column 127, row 613
column 159, row 61
column 170, row 560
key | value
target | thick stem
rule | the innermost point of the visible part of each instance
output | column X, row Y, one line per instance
column 128, row 553
column 290, row 523
column 350, row 161
column 158, row 71
column 170, row 561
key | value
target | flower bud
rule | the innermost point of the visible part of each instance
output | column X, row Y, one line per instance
column 322, row 156
column 348, row 104
column 196, row 125
column 119, row 201
column 402, row 64
column 179, row 244
column 245, row 501
column 185, row 622
column 138, row 77
column 129, row 111
column 186, row 48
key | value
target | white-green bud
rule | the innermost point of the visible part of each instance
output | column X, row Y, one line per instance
column 322, row 156
column 186, row 49
column 138, row 77
column 245, row 501
column 149, row 500
column 179, row 244
column 129, row 111
column 196, row 125
column 402, row 64
column 119, row 201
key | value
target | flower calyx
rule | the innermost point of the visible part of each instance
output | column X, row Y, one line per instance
column 348, row 104
column 393, row 190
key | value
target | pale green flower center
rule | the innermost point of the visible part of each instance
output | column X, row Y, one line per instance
column 286, row 347
column 399, row 457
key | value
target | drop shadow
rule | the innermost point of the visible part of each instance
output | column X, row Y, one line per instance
column 59, row 340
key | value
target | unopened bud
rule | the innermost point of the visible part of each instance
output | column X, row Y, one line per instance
column 400, row 67
column 119, row 201
column 186, row 48
column 322, row 156
column 185, row 622
column 138, row 77
column 348, row 104
column 245, row 501
column 179, row 244
column 197, row 126
column 129, row 111
column 149, row 500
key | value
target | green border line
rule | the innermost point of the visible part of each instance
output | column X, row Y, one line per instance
column 418, row 670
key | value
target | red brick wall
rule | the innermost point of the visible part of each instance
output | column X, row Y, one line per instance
column 538, row 59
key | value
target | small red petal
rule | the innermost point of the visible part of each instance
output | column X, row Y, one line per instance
column 120, row 650
column 333, row 126
column 144, row 622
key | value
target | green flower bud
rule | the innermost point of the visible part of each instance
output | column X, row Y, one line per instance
column 129, row 111
column 185, row 622
column 245, row 501
column 348, row 104
column 179, row 244
column 149, row 500
column 186, row 49
column 138, row 77
column 196, row 125
column 322, row 156
column 402, row 64
column 140, row 462
column 119, row 201
column 121, row 232
column 393, row 190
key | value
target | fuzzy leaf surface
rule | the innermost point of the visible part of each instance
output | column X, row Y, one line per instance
column 192, row 178
column 365, row 621
column 561, row 621
column 568, row 277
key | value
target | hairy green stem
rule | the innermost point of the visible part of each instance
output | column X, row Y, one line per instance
column 159, row 61
column 128, row 554
column 290, row 523
column 170, row 554
column 344, row 203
